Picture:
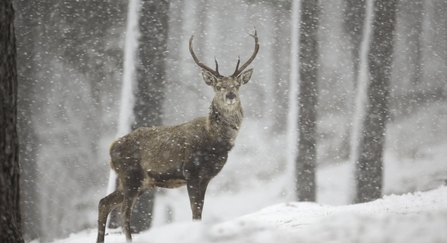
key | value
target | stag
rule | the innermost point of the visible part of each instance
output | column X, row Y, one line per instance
column 188, row 154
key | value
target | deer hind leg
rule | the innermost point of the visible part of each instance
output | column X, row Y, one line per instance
column 133, row 187
column 106, row 205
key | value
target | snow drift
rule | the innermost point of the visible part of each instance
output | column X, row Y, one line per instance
column 417, row 217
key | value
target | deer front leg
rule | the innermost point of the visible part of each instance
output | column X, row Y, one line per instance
column 106, row 205
column 196, row 192
column 126, row 213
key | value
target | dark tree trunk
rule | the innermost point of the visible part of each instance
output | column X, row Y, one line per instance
column 149, row 95
column 369, row 166
column 151, row 69
column 10, row 216
column 27, row 22
column 307, row 101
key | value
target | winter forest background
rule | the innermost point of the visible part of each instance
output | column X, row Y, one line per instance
column 70, row 65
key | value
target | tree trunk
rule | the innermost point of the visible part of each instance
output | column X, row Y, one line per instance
column 369, row 166
column 353, row 19
column 354, row 15
column 307, row 102
column 415, row 36
column 10, row 216
column 149, row 94
column 281, row 68
column 27, row 21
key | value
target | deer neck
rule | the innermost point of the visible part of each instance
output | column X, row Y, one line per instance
column 225, row 122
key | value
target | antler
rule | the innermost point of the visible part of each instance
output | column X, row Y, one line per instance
column 239, row 70
column 203, row 66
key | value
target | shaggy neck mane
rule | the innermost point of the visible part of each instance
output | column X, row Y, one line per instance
column 222, row 118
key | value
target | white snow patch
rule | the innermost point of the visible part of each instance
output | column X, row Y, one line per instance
column 410, row 218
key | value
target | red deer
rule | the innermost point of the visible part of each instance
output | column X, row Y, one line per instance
column 188, row 154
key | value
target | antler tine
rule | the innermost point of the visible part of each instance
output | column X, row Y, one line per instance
column 203, row 66
column 237, row 65
column 217, row 65
column 255, row 52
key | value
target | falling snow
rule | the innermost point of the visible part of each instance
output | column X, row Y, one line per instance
column 74, row 100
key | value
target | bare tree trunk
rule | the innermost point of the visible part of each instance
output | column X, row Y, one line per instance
column 369, row 166
column 354, row 15
column 27, row 21
column 416, row 10
column 281, row 70
column 353, row 19
column 307, row 101
column 149, row 96
column 10, row 215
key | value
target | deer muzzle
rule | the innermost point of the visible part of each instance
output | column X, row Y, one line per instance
column 230, row 95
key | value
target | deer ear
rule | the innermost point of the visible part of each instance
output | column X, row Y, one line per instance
column 244, row 77
column 209, row 78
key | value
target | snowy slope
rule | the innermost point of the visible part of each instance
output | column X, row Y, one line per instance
column 417, row 217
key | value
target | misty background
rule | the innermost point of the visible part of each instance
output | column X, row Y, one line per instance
column 70, row 65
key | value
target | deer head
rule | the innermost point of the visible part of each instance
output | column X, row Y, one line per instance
column 226, row 88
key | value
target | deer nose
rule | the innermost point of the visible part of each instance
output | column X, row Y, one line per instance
column 231, row 95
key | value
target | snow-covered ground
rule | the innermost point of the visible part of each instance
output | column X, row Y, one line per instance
column 238, row 205
column 417, row 217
